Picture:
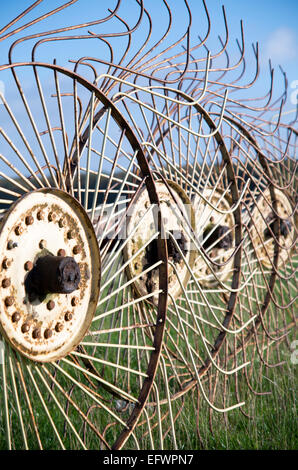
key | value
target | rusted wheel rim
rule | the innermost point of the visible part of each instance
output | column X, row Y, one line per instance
column 48, row 324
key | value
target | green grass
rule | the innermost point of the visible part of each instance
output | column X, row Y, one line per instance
column 272, row 423
column 273, row 417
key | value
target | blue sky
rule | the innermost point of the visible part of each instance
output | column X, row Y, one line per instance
column 273, row 23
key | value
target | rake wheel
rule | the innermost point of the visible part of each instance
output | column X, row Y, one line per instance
column 223, row 290
column 72, row 328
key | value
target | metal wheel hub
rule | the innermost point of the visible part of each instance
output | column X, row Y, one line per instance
column 50, row 274
column 178, row 217
column 215, row 231
column 263, row 229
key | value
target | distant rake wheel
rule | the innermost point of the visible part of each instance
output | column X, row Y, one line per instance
column 80, row 349
column 196, row 137
column 200, row 313
column 269, row 247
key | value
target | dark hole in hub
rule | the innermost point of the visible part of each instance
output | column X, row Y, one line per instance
column 285, row 227
column 52, row 275
column 221, row 233
column 173, row 254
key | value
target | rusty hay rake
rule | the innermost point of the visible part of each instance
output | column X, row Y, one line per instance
column 148, row 225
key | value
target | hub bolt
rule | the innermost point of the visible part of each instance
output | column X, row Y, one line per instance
column 51, row 217
column 19, row 230
column 40, row 215
column 15, row 317
column 6, row 283
column 62, row 223
column 74, row 301
column 61, row 252
column 77, row 249
column 9, row 301
column 71, row 234
column 28, row 265
column 36, row 333
column 29, row 220
column 11, row 244
column 6, row 263
column 68, row 316
column 59, row 327
column 42, row 244
column 50, row 305
column 48, row 333
column 25, row 328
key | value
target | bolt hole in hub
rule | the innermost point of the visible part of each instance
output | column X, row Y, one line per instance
column 49, row 288
column 178, row 217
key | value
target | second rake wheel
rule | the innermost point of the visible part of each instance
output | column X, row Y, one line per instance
column 186, row 149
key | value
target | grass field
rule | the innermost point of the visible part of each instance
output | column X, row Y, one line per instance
column 272, row 423
column 273, row 417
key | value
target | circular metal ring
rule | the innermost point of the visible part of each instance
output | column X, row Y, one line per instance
column 48, row 328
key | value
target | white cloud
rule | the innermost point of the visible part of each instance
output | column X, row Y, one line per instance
column 281, row 46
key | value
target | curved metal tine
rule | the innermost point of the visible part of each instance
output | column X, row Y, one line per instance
column 194, row 60
column 211, row 358
column 5, row 392
column 118, row 304
column 268, row 177
column 260, row 282
column 119, row 151
column 258, row 130
column 107, row 84
column 273, row 147
column 132, row 69
column 39, row 134
column 59, row 30
column 273, row 312
column 161, row 134
column 202, row 294
column 244, row 134
column 78, row 147
column 18, row 410
column 160, row 41
column 173, row 121
column 37, row 20
column 233, row 86
column 194, row 239
column 150, row 89
column 202, row 43
column 196, row 170
column 194, row 189
column 91, row 426
column 224, row 70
